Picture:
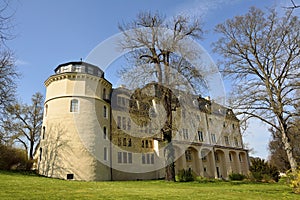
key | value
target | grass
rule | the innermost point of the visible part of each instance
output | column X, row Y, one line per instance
column 30, row 186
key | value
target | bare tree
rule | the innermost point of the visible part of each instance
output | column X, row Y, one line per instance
column 152, row 42
column 8, row 73
column 23, row 123
column 49, row 160
column 261, row 52
column 294, row 5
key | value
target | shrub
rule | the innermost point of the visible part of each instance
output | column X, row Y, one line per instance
column 262, row 171
column 236, row 177
column 12, row 158
column 294, row 180
column 185, row 175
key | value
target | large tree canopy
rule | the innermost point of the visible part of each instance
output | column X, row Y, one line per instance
column 261, row 52
column 152, row 42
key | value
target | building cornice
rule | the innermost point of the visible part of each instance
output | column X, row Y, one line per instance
column 77, row 76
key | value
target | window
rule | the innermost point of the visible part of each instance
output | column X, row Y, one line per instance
column 226, row 138
column 185, row 134
column 150, row 144
column 77, row 68
column 147, row 144
column 105, row 154
column 236, row 142
column 217, row 157
column 152, row 158
column 240, row 158
column 41, row 151
column 213, row 138
column 203, row 156
column 46, row 110
column 104, row 111
column 104, row 133
column 130, row 158
column 74, row 105
column 125, row 157
column 95, row 72
column 119, row 157
column 119, row 122
column 148, row 158
column 200, row 136
column 230, row 157
column 124, row 142
column 122, row 101
column 65, row 69
column 90, row 70
column 124, row 123
column 233, row 126
column 44, row 130
column 104, row 93
column 188, row 155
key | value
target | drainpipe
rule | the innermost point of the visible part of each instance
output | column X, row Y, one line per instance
column 110, row 138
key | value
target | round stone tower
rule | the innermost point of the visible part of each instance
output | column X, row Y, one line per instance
column 75, row 141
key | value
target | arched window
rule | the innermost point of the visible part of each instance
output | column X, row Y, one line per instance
column 74, row 105
column 46, row 110
column 41, row 151
column 44, row 130
column 104, row 133
column 104, row 111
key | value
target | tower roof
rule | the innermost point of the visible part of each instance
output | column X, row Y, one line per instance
column 79, row 67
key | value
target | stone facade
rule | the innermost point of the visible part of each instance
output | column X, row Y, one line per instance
column 94, row 132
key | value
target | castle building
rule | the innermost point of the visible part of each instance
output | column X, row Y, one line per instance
column 92, row 131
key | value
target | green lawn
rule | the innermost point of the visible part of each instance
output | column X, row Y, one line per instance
column 20, row 186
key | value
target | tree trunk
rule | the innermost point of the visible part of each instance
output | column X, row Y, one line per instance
column 288, row 149
column 167, row 133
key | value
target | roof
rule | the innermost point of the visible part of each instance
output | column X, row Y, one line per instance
column 76, row 63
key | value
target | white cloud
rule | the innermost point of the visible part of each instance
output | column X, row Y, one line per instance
column 203, row 7
column 21, row 63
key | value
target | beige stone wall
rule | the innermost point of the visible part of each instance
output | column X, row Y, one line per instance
column 73, row 142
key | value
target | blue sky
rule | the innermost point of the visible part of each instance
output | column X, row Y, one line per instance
column 49, row 33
